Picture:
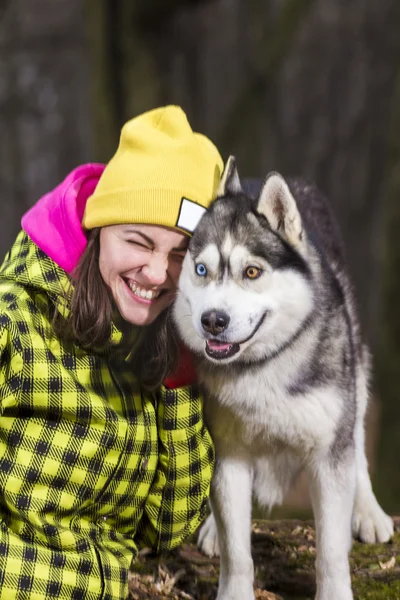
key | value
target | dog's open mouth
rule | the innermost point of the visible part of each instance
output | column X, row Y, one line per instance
column 220, row 350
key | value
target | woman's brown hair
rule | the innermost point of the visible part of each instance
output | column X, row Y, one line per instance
column 90, row 319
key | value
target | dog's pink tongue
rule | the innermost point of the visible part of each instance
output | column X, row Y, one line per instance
column 219, row 346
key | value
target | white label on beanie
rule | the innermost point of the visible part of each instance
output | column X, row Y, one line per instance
column 189, row 215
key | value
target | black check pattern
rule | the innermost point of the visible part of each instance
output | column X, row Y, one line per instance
column 90, row 466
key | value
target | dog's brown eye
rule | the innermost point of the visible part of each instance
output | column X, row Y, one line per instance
column 253, row 272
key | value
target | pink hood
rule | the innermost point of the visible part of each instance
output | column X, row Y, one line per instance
column 54, row 222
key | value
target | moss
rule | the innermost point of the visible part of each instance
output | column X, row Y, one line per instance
column 368, row 589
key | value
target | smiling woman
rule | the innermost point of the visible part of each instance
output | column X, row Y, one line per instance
column 141, row 266
column 103, row 447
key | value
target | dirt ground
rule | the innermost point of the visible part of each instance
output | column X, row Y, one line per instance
column 284, row 555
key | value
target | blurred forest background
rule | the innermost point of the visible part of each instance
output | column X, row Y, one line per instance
column 305, row 87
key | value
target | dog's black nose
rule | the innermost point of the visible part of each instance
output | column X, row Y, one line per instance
column 214, row 321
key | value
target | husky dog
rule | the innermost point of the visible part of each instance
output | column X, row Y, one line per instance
column 265, row 303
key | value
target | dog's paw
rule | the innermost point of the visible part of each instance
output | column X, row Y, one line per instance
column 207, row 541
column 371, row 524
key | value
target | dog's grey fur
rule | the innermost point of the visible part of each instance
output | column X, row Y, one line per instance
column 284, row 370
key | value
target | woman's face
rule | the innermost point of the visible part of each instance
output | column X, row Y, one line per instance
column 141, row 265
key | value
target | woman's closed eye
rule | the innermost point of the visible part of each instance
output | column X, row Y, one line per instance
column 139, row 244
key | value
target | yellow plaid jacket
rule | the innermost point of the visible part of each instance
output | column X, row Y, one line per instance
column 90, row 466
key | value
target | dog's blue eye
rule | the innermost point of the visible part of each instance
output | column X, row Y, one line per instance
column 201, row 270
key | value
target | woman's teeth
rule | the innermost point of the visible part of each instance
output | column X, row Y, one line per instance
column 141, row 292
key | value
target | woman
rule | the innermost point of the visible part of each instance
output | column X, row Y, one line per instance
column 98, row 455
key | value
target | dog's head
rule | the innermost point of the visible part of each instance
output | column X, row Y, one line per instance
column 245, row 288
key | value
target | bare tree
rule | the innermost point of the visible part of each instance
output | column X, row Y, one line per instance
column 388, row 470
column 45, row 126
column 306, row 87
column 302, row 86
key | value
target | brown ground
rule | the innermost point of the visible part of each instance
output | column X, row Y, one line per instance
column 284, row 554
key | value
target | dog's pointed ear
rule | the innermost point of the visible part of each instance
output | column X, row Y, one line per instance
column 230, row 182
column 277, row 204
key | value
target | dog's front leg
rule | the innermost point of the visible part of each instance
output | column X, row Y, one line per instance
column 332, row 485
column 231, row 505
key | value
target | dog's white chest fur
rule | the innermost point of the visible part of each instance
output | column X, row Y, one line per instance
column 259, row 413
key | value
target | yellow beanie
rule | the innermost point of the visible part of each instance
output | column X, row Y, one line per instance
column 162, row 174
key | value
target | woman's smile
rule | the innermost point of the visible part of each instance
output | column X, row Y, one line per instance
column 141, row 265
column 143, row 293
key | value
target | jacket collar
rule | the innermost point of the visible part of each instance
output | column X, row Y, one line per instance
column 29, row 266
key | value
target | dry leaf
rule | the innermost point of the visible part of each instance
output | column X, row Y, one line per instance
column 389, row 564
column 264, row 595
column 297, row 530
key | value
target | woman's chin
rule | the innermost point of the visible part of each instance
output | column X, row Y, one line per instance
column 140, row 313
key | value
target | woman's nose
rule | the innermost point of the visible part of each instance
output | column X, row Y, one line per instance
column 156, row 268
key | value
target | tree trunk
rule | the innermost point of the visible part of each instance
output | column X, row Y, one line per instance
column 307, row 87
column 45, row 126
column 388, row 469
column 304, row 87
